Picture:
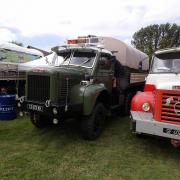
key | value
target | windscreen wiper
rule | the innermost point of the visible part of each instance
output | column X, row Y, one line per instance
column 88, row 60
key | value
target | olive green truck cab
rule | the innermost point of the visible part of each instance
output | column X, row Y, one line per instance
column 89, row 77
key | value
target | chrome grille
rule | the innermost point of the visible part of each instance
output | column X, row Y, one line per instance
column 170, row 109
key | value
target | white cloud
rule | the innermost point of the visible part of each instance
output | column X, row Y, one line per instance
column 116, row 18
column 6, row 35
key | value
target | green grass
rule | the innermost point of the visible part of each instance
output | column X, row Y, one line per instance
column 60, row 153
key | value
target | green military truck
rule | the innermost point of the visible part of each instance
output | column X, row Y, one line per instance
column 89, row 77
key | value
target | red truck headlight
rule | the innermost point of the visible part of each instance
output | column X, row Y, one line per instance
column 143, row 101
column 146, row 106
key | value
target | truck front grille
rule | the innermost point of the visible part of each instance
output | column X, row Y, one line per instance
column 38, row 88
column 65, row 88
column 170, row 107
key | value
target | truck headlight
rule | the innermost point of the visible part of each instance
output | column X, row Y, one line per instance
column 19, row 104
column 55, row 111
column 55, row 121
column 146, row 106
column 21, row 113
column 48, row 103
column 22, row 99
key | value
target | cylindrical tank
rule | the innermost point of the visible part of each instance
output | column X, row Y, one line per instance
column 126, row 55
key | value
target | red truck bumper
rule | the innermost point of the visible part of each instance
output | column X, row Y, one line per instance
column 143, row 122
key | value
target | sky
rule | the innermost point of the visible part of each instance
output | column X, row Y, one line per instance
column 47, row 23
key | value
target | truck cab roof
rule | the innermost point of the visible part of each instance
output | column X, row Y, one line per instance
column 83, row 47
column 167, row 50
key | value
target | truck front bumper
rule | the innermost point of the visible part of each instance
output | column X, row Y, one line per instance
column 58, row 111
column 142, row 122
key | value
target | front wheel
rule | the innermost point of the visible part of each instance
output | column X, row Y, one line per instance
column 92, row 126
column 38, row 120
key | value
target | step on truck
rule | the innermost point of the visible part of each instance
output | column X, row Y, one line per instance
column 156, row 111
column 11, row 55
column 88, row 78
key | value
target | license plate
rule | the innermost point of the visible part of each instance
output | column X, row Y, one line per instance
column 35, row 107
column 171, row 131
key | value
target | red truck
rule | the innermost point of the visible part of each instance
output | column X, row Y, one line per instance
column 156, row 111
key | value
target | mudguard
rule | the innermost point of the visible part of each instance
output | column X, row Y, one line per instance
column 87, row 95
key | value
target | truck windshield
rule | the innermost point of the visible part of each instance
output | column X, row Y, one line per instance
column 78, row 58
column 83, row 58
column 166, row 63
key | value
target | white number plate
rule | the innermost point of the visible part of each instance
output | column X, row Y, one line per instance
column 35, row 107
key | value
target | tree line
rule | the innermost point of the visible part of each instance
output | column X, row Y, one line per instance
column 154, row 37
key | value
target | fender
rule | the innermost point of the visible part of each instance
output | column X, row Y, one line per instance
column 87, row 95
column 140, row 98
column 77, row 93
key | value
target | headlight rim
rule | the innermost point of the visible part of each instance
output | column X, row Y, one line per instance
column 146, row 106
column 55, row 110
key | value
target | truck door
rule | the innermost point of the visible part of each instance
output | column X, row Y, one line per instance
column 104, row 73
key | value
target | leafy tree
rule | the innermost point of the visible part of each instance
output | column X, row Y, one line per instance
column 17, row 43
column 154, row 37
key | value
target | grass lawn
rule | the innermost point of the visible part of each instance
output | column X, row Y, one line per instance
column 60, row 153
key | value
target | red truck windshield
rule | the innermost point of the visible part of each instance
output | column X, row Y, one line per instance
column 166, row 63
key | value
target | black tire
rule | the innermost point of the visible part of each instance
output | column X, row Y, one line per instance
column 92, row 126
column 39, row 121
column 127, row 104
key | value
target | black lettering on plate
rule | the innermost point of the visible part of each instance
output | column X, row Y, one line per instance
column 171, row 131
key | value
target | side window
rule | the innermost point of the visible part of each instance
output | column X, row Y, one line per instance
column 105, row 62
